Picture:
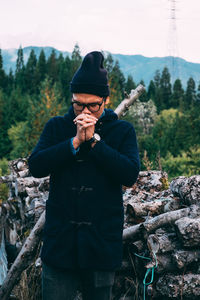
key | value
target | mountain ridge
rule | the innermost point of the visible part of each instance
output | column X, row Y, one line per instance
column 138, row 66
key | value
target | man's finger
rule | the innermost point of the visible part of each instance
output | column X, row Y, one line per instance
column 85, row 117
column 88, row 125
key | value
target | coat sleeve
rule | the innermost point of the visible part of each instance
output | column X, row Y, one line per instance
column 122, row 165
column 49, row 156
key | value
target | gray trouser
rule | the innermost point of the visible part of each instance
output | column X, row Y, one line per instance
column 63, row 284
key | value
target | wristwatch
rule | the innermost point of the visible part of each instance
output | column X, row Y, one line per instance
column 96, row 138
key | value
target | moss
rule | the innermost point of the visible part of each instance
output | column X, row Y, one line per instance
column 165, row 183
column 3, row 192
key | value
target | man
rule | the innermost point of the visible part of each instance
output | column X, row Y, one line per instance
column 89, row 155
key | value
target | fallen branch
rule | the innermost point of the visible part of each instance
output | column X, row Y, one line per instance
column 164, row 219
column 23, row 259
column 126, row 103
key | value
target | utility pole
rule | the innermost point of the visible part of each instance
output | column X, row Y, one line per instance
column 173, row 41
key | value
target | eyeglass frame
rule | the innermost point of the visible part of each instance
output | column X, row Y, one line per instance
column 88, row 104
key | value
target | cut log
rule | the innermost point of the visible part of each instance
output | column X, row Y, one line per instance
column 188, row 189
column 132, row 232
column 184, row 258
column 138, row 246
column 164, row 263
column 163, row 243
column 152, row 207
column 189, row 231
column 23, row 260
column 185, row 286
column 169, row 218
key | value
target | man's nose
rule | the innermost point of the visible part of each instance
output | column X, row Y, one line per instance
column 86, row 110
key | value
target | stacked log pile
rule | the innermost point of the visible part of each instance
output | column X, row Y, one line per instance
column 161, row 234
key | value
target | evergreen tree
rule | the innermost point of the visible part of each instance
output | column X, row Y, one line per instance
column 10, row 82
column 165, row 89
column 20, row 60
column 52, row 67
column 143, row 97
column 20, row 69
column 5, row 146
column 198, row 95
column 157, row 84
column 177, row 95
column 64, row 66
column 190, row 94
column 151, row 91
column 67, row 77
column 76, row 59
column 2, row 74
column 129, row 84
column 30, row 73
column 41, row 67
column 108, row 63
column 116, row 82
column 24, row 135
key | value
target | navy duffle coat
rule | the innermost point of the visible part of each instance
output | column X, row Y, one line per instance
column 84, row 210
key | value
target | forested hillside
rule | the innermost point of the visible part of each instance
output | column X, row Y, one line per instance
column 166, row 119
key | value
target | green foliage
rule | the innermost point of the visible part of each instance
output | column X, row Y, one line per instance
column 4, row 170
column 185, row 164
column 190, row 94
column 142, row 115
column 165, row 89
column 30, row 73
column 129, row 84
column 116, row 81
column 177, row 98
column 151, row 90
column 4, row 190
column 3, row 79
column 143, row 97
column 76, row 59
column 166, row 119
column 20, row 70
column 24, row 135
column 17, row 135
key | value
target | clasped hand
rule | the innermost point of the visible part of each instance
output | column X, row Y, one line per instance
column 85, row 127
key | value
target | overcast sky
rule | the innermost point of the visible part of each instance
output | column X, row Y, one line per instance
column 125, row 26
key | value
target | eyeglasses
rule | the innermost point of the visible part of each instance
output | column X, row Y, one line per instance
column 93, row 107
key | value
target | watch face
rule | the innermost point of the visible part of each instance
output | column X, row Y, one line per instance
column 97, row 137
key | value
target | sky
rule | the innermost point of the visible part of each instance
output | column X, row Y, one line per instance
column 119, row 26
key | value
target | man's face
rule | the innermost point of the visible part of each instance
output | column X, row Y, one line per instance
column 86, row 99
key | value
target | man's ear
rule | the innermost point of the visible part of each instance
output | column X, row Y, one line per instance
column 107, row 100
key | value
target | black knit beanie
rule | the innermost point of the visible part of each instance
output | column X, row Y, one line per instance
column 91, row 77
